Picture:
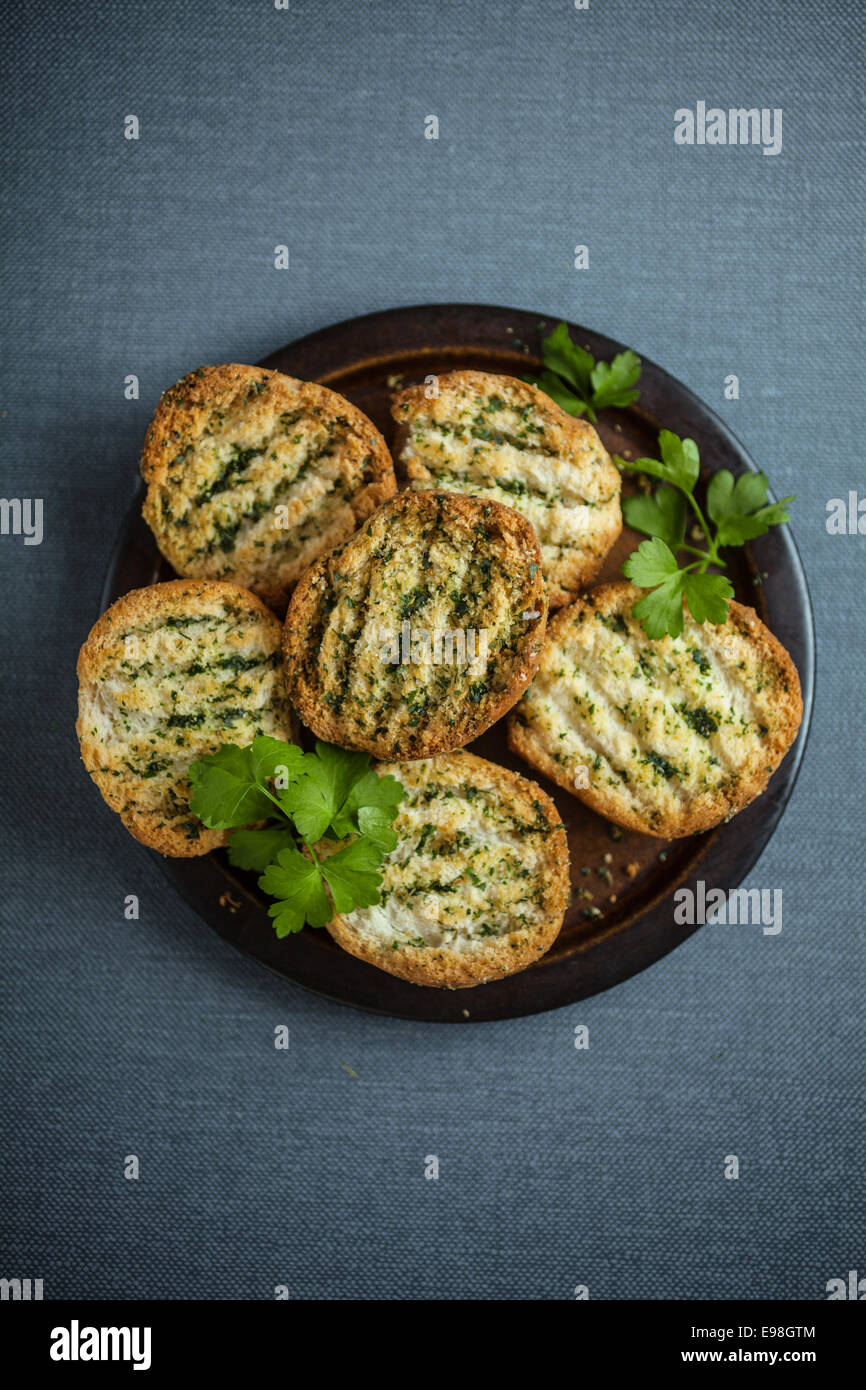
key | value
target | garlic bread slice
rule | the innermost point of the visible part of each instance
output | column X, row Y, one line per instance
column 478, row 884
column 251, row 475
column 168, row 674
column 498, row 438
column 421, row 630
column 667, row 737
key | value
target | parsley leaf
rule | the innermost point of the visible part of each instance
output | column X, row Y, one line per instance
column 351, row 873
column 230, row 786
column 707, row 596
column 256, row 849
column 316, row 800
column 610, row 381
column 739, row 510
column 652, row 563
column 353, row 876
column 296, row 883
column 573, row 363
column 681, row 459
column 565, row 399
column 663, row 515
column 274, row 759
column 654, row 566
column 376, row 824
column 370, row 808
column 312, row 797
column 660, row 612
column 679, row 463
column 579, row 384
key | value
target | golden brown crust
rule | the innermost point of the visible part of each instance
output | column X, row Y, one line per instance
column 519, row 866
column 496, row 437
column 668, row 738
column 167, row 674
column 251, row 475
column 450, row 567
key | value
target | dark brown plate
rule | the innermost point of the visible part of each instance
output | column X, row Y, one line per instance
column 636, row 925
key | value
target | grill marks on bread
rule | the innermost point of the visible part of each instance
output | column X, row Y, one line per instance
column 496, row 437
column 251, row 475
column 672, row 736
column 169, row 673
column 477, row 886
column 451, row 568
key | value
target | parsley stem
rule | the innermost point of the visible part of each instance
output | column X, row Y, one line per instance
column 704, row 527
column 693, row 550
column 272, row 798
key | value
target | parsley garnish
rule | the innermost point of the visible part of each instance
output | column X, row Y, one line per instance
column 738, row 510
column 578, row 383
column 308, row 799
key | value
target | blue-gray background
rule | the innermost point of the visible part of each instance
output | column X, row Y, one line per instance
column 306, row 127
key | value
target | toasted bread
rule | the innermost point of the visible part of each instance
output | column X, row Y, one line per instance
column 668, row 737
column 478, row 884
column 421, row 630
column 167, row 674
column 498, row 438
column 251, row 475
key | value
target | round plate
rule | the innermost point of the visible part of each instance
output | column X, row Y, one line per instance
column 621, row 916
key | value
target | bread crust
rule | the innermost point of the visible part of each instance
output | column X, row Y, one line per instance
column 496, row 437
column 167, row 674
column 428, row 555
column 668, row 738
column 536, row 859
column 251, row 475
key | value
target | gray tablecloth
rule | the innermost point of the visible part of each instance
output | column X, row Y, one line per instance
column 306, row 127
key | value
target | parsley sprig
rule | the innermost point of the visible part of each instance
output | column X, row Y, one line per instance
column 738, row 510
column 578, row 383
column 307, row 800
